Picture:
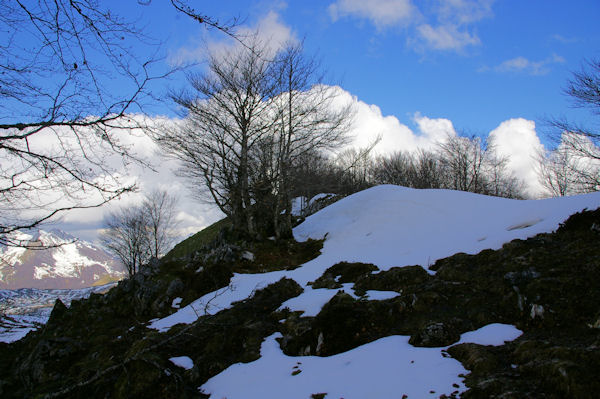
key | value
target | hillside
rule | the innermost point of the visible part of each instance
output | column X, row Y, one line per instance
column 66, row 263
column 26, row 309
column 390, row 292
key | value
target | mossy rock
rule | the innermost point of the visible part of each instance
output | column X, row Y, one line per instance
column 397, row 279
column 343, row 272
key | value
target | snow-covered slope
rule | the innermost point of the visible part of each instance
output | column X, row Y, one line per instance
column 387, row 226
column 67, row 263
column 396, row 226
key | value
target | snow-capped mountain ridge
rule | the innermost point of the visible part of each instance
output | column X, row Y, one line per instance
column 55, row 260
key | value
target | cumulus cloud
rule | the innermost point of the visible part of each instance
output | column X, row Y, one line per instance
column 446, row 37
column 526, row 66
column 447, row 26
column 517, row 140
column 370, row 125
column 433, row 130
column 269, row 30
column 382, row 13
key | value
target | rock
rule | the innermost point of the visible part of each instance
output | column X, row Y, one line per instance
column 537, row 311
column 320, row 340
column 434, row 335
column 521, row 277
column 247, row 255
column 175, row 287
column 151, row 268
column 476, row 358
column 58, row 311
column 344, row 272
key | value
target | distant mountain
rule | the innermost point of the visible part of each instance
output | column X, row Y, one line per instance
column 68, row 264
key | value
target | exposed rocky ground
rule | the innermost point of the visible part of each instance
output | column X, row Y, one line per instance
column 547, row 286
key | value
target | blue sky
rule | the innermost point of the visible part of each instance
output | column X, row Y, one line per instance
column 476, row 63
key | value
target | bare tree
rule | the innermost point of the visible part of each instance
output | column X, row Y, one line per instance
column 315, row 173
column 421, row 169
column 581, row 144
column 248, row 119
column 59, row 106
column 458, row 163
column 226, row 117
column 355, row 165
column 136, row 234
column 565, row 171
column 555, row 173
column 126, row 236
column 159, row 208
column 462, row 160
column 307, row 118
column 183, row 6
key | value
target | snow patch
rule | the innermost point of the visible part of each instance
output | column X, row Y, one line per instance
column 394, row 226
column 183, row 362
column 493, row 334
column 311, row 301
column 387, row 368
column 241, row 286
column 40, row 272
column 176, row 304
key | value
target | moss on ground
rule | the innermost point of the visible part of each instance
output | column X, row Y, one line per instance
column 197, row 241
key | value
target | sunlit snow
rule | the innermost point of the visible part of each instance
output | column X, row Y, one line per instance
column 395, row 226
column 183, row 362
column 387, row 368
column 311, row 301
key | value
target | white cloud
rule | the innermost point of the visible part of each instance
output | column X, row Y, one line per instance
column 269, row 30
column 454, row 22
column 446, row 26
column 433, row 130
column 524, row 65
column 564, row 40
column 382, row 13
column 446, row 37
column 192, row 214
column 517, row 140
column 463, row 12
column 370, row 124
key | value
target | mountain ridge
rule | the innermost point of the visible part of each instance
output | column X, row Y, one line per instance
column 55, row 260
